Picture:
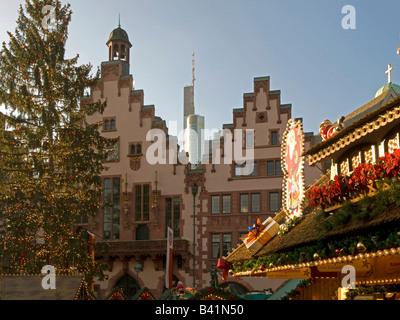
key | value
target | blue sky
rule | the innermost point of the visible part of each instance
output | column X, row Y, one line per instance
column 323, row 70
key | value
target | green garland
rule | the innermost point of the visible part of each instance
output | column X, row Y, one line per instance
column 366, row 208
column 373, row 241
column 223, row 293
column 351, row 294
column 289, row 225
column 363, row 210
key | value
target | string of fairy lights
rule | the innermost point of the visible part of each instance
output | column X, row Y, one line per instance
column 50, row 158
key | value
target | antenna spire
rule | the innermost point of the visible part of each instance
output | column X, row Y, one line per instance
column 119, row 20
column 193, row 78
column 193, row 72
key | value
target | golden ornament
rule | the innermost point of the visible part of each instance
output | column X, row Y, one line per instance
column 361, row 247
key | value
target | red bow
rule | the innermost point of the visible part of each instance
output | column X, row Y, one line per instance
column 224, row 266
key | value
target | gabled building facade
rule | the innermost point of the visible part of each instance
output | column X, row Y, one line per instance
column 208, row 206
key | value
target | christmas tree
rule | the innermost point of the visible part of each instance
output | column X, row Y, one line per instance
column 50, row 159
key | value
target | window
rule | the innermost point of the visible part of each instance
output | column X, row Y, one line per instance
column 142, row 203
column 255, row 170
column 226, row 204
column 255, row 202
column 173, row 216
column 116, row 51
column 215, row 204
column 278, row 168
column 226, row 244
column 270, row 168
column 112, row 197
column 168, row 214
column 123, row 52
column 109, row 124
column 250, row 140
column 239, row 170
column 221, row 245
column 146, row 202
column 177, row 217
column 274, row 168
column 215, row 246
column 274, row 138
column 273, row 202
column 135, row 149
column 244, row 203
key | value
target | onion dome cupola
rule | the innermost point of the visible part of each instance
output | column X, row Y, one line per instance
column 389, row 85
column 386, row 87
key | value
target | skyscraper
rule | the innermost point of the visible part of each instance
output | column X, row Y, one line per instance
column 188, row 104
column 193, row 125
column 194, row 137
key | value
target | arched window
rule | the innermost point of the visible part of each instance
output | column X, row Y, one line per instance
column 128, row 285
column 116, row 52
column 123, row 52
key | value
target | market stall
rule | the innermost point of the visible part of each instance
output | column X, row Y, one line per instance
column 341, row 237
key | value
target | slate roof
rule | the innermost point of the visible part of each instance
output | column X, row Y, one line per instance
column 119, row 34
